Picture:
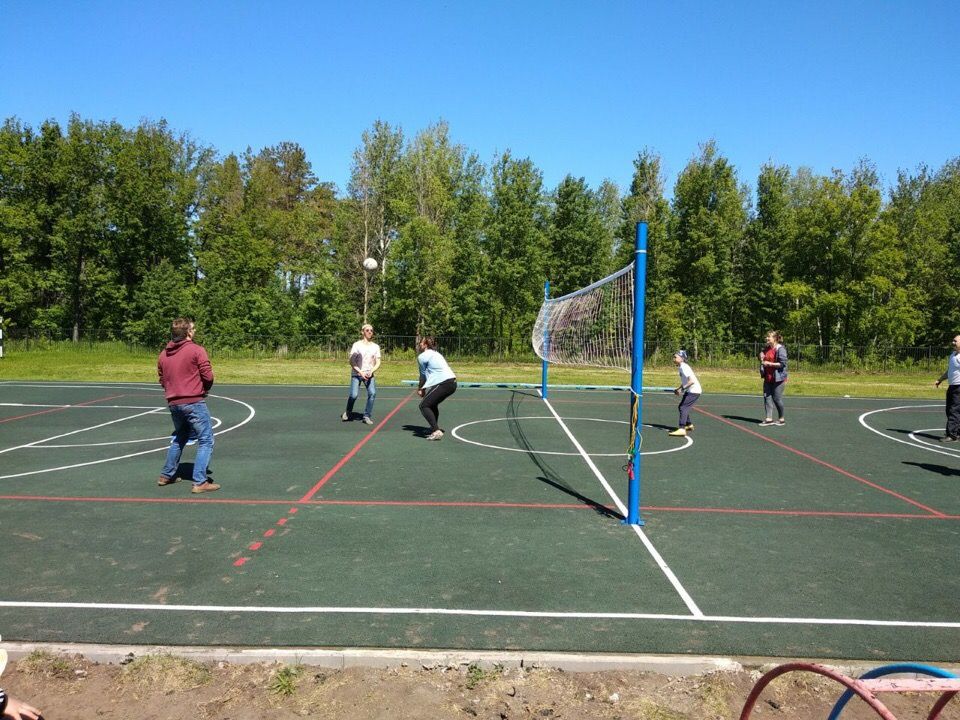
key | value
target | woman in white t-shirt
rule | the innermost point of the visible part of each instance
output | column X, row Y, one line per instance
column 689, row 391
column 364, row 362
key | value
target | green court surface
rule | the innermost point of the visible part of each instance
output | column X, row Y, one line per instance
column 835, row 536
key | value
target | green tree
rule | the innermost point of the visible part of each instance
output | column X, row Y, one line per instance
column 378, row 196
column 763, row 305
column 925, row 210
column 470, row 302
column 709, row 219
column 610, row 207
column 421, row 280
column 579, row 245
column 21, row 233
column 445, row 185
column 645, row 202
column 515, row 243
column 164, row 294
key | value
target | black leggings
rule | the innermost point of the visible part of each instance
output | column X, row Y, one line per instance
column 436, row 394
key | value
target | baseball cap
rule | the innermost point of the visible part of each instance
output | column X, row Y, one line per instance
column 682, row 354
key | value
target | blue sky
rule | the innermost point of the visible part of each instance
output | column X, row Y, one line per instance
column 579, row 87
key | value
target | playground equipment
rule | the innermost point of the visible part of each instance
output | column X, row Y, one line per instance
column 869, row 685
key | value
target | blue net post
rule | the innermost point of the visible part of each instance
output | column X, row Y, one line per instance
column 546, row 344
column 636, row 375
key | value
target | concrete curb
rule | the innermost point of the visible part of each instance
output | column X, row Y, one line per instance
column 340, row 659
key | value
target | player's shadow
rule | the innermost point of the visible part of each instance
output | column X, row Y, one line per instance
column 741, row 418
column 659, row 426
column 418, row 430
column 550, row 476
column 939, row 469
column 925, row 435
column 185, row 471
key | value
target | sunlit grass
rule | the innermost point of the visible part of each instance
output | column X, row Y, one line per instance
column 116, row 363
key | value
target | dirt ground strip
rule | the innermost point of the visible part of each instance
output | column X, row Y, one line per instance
column 163, row 687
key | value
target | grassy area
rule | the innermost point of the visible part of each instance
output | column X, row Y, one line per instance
column 115, row 363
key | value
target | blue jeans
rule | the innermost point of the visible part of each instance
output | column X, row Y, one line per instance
column 371, row 386
column 193, row 418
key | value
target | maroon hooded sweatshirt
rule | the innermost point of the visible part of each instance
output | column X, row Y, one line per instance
column 185, row 372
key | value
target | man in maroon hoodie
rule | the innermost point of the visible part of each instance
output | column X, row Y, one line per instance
column 187, row 376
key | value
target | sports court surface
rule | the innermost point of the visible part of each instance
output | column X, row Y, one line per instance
column 836, row 536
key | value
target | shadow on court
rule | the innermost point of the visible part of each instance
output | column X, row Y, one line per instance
column 417, row 430
column 550, row 476
column 939, row 469
column 915, row 433
column 741, row 418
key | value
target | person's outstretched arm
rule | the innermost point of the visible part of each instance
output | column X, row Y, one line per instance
column 13, row 709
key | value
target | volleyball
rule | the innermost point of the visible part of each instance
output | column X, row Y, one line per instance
column 370, row 264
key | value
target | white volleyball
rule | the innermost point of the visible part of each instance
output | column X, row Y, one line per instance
column 370, row 264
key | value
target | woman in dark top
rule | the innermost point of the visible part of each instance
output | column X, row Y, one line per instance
column 773, row 370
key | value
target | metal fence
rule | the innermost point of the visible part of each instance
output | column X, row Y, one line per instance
column 704, row 354
column 306, row 346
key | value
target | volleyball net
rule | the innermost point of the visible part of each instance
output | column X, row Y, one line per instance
column 601, row 325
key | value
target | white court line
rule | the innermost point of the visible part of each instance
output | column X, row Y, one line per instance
column 130, row 455
column 82, row 407
column 687, row 599
column 215, row 423
column 573, row 615
column 919, row 445
column 458, row 436
column 74, row 432
column 125, row 386
column 927, row 443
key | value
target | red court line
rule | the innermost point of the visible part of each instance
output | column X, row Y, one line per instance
column 207, row 500
column 243, row 560
column 475, row 504
column 824, row 463
column 462, row 504
column 61, row 409
column 343, row 461
column 801, row 513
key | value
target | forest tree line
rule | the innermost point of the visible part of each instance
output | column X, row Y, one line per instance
column 115, row 230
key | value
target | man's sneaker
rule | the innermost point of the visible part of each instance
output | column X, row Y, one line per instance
column 688, row 427
column 345, row 417
column 781, row 421
column 764, row 423
column 679, row 432
column 164, row 480
column 367, row 421
column 947, row 438
column 205, row 487
column 435, row 435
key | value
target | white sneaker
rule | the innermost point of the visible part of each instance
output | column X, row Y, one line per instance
column 367, row 421
column 436, row 435
column 345, row 417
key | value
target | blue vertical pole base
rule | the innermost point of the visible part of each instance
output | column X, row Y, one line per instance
column 633, row 495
